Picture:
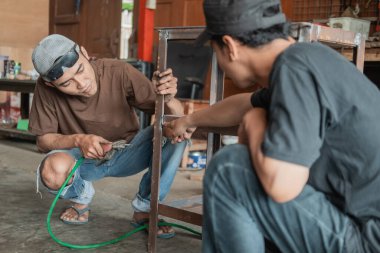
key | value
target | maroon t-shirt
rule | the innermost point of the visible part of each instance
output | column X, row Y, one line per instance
column 108, row 113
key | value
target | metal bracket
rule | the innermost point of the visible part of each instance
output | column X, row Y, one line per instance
column 358, row 39
column 163, row 35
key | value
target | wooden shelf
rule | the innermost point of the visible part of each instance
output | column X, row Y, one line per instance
column 15, row 133
column 24, row 87
column 371, row 54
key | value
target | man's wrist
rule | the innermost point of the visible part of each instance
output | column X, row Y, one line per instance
column 77, row 139
column 168, row 98
column 169, row 103
column 189, row 121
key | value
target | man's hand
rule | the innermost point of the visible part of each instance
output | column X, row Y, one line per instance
column 165, row 84
column 93, row 146
column 178, row 130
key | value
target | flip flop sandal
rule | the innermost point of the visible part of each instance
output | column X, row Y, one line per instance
column 142, row 222
column 80, row 212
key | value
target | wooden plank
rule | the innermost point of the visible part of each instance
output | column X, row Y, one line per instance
column 188, row 210
column 181, row 214
column 371, row 54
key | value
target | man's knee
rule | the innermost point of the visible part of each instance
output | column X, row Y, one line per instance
column 174, row 149
column 232, row 155
column 55, row 168
column 230, row 162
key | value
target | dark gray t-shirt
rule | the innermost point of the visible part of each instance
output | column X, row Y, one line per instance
column 325, row 114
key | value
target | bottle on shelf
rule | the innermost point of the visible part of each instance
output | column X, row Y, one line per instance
column 17, row 68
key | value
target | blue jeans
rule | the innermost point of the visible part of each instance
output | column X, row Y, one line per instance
column 238, row 214
column 126, row 162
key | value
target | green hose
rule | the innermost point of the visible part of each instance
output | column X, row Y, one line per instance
column 97, row 245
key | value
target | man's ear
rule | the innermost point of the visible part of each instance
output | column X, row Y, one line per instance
column 232, row 46
column 84, row 52
column 49, row 84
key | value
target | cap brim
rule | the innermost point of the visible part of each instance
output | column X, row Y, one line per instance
column 202, row 38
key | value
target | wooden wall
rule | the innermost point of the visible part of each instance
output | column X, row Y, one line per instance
column 23, row 23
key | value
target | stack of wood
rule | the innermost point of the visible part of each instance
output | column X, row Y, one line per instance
column 373, row 41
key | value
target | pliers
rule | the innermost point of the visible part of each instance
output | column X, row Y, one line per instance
column 116, row 146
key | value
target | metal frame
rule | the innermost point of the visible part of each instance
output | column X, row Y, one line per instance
column 308, row 32
column 302, row 32
column 214, row 140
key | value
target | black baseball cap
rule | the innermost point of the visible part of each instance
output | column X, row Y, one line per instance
column 238, row 16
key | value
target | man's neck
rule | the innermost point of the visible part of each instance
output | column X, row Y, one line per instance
column 263, row 58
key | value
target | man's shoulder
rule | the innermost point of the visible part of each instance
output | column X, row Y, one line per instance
column 306, row 46
column 308, row 56
column 107, row 63
column 303, row 51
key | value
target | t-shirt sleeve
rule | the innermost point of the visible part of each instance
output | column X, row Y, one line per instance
column 261, row 99
column 42, row 118
column 294, row 132
column 139, row 89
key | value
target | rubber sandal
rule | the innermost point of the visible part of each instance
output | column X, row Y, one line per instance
column 80, row 212
column 142, row 222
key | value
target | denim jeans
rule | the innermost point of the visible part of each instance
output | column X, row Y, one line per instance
column 238, row 214
column 131, row 160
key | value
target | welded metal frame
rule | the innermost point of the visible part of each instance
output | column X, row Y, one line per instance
column 214, row 140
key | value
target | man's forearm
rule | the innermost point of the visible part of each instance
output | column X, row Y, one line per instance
column 48, row 142
column 225, row 113
column 174, row 107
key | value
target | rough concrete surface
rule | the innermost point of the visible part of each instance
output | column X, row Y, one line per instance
column 23, row 213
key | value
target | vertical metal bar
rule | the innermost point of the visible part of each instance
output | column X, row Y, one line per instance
column 157, row 148
column 359, row 52
column 216, row 94
column 304, row 32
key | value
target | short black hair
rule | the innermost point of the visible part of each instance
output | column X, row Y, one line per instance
column 258, row 37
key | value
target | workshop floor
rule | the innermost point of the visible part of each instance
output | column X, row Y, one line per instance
column 23, row 213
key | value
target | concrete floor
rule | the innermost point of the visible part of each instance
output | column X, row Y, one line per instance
column 23, row 213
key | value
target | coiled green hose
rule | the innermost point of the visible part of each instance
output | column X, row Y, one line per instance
column 97, row 245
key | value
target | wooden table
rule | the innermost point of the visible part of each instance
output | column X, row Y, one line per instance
column 25, row 87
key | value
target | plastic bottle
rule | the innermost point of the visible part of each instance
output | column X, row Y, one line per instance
column 17, row 68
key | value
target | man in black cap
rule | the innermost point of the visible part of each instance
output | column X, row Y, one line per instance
column 306, row 171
